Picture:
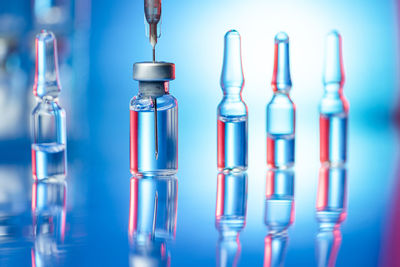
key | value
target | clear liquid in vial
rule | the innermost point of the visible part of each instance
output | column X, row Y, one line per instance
column 48, row 161
column 232, row 143
column 142, row 142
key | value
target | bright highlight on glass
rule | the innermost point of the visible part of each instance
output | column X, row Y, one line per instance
column 334, row 108
column 48, row 118
column 281, row 110
column 232, row 111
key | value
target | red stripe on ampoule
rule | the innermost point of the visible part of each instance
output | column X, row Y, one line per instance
column 221, row 145
column 133, row 142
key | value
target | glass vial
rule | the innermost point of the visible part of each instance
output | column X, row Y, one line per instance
column 334, row 107
column 153, row 121
column 232, row 111
column 48, row 118
column 281, row 110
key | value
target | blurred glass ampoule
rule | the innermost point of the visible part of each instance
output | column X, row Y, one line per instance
column 279, row 215
column 232, row 111
column 230, row 216
column 13, row 82
column 334, row 107
column 48, row 118
column 49, row 220
column 331, row 211
column 152, row 219
column 281, row 111
column 70, row 21
column 54, row 12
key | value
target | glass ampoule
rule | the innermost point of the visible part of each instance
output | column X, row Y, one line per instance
column 154, row 121
column 48, row 118
column 334, row 107
column 281, row 110
column 232, row 111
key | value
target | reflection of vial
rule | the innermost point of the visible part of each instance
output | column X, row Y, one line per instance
column 153, row 207
column 334, row 107
column 152, row 219
column 232, row 111
column 279, row 215
column 153, row 121
column 48, row 118
column 331, row 211
column 281, row 110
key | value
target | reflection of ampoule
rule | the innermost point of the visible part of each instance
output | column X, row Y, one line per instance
column 232, row 111
column 279, row 215
column 49, row 217
column 152, row 219
column 48, row 118
column 230, row 216
column 331, row 212
column 333, row 107
column 281, row 110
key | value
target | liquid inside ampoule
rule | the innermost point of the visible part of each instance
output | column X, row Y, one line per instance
column 333, row 135
column 48, row 160
column 142, row 136
column 280, row 151
column 232, row 143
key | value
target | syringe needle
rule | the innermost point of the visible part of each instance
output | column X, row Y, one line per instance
column 155, row 128
column 154, row 53
column 155, row 213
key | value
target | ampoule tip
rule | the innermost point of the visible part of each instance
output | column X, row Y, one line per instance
column 281, row 37
column 281, row 80
column 333, row 68
column 232, row 71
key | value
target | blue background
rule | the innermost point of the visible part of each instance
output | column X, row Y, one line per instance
column 192, row 38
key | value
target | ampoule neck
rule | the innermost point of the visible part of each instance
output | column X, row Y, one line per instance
column 48, row 99
column 282, row 93
column 232, row 91
column 333, row 88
